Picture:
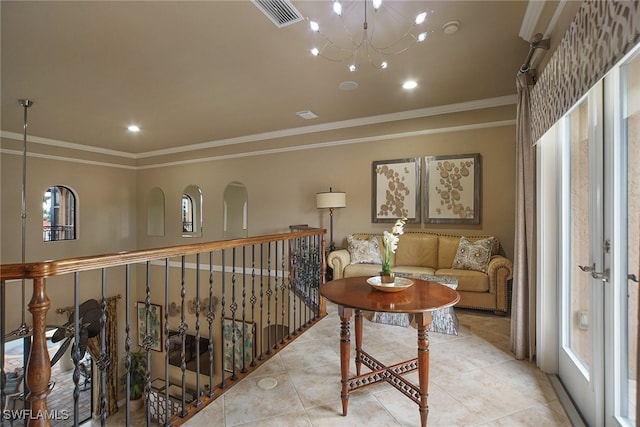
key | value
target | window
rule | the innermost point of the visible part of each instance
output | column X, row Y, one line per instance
column 187, row 213
column 191, row 211
column 58, row 214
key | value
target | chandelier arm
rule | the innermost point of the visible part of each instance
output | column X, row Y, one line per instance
column 406, row 35
column 330, row 42
column 350, row 36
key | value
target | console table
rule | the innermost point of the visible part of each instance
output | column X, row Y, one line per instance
column 354, row 294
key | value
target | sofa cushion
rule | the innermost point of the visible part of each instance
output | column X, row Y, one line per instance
column 473, row 255
column 468, row 280
column 417, row 249
column 355, row 270
column 447, row 248
column 364, row 251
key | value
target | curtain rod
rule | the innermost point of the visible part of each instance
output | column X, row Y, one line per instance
column 536, row 43
column 71, row 308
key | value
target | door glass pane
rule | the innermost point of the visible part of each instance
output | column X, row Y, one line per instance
column 578, row 338
column 633, row 229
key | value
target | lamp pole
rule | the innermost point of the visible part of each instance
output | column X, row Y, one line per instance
column 332, row 246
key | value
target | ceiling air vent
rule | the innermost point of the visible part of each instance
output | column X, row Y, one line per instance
column 280, row 12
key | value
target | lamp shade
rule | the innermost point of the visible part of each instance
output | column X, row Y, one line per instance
column 331, row 199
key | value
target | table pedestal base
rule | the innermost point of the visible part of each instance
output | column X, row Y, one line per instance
column 380, row 372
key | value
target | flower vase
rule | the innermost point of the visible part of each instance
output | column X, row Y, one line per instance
column 387, row 277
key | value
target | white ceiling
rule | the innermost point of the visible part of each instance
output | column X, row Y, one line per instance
column 196, row 72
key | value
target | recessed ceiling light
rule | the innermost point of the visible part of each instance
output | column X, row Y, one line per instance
column 133, row 128
column 410, row 84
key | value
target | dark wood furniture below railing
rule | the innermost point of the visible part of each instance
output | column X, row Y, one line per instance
column 354, row 294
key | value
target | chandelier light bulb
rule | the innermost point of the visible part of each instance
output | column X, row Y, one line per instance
column 315, row 52
column 384, row 65
column 337, row 8
column 353, row 68
column 314, row 26
column 420, row 18
column 422, row 37
column 377, row 4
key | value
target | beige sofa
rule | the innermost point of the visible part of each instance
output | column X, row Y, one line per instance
column 430, row 253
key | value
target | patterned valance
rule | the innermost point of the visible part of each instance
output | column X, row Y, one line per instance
column 601, row 33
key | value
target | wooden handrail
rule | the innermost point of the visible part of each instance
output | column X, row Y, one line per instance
column 71, row 265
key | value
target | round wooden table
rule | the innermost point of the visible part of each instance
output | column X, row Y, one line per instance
column 354, row 293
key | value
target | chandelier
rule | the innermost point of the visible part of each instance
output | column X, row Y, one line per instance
column 360, row 46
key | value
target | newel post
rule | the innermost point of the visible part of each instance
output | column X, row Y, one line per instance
column 39, row 365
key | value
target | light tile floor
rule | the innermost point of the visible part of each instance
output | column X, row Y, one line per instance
column 474, row 381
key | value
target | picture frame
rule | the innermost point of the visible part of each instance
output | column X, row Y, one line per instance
column 452, row 189
column 395, row 190
column 229, row 328
column 155, row 325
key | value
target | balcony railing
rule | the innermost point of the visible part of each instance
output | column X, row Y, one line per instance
column 52, row 233
column 200, row 317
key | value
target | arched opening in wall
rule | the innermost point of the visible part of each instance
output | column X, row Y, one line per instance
column 59, row 214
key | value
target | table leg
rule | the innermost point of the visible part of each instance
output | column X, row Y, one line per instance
column 358, row 327
column 345, row 348
column 423, row 321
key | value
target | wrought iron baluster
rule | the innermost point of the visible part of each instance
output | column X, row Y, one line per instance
column 269, row 293
column 147, row 343
column 75, row 349
column 292, row 277
column 233, row 307
column 182, row 329
column 103, row 362
column 210, row 318
column 127, row 344
column 253, row 299
column 244, row 308
column 198, row 401
column 223, row 384
column 167, row 343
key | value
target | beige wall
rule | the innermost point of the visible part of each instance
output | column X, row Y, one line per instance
column 281, row 186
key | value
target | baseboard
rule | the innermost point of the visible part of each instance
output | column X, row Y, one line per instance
column 566, row 402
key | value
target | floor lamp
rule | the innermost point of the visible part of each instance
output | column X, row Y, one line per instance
column 331, row 200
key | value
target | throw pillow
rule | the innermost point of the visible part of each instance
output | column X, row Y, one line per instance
column 364, row 251
column 473, row 255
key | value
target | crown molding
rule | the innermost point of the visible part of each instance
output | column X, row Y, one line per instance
column 530, row 19
column 404, row 115
column 63, row 144
column 335, row 143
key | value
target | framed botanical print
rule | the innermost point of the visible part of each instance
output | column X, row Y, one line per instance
column 240, row 353
column 395, row 190
column 452, row 189
column 155, row 325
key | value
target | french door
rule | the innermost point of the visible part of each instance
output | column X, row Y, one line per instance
column 581, row 360
column 599, row 207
